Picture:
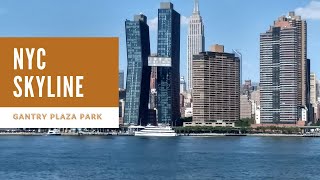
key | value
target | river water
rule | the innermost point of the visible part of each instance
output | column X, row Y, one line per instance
column 185, row 158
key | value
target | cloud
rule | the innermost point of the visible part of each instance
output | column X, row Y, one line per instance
column 153, row 23
column 310, row 11
column 184, row 20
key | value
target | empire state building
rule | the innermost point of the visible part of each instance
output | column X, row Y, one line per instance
column 196, row 39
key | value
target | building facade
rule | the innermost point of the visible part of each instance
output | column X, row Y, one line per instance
column 245, row 107
column 168, row 73
column 196, row 39
column 121, row 79
column 138, row 71
column 283, row 71
column 313, row 96
column 183, row 87
column 216, row 87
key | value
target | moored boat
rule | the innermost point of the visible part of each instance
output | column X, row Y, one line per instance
column 54, row 132
column 156, row 131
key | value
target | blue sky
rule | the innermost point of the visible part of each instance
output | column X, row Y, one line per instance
column 234, row 23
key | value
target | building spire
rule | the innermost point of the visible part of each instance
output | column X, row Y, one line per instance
column 196, row 6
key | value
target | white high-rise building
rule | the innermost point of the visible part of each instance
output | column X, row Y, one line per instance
column 313, row 89
column 182, row 85
column 195, row 39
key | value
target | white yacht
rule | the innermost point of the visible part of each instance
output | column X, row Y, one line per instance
column 164, row 131
column 54, row 132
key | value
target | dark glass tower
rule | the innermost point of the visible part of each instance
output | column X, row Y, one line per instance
column 168, row 81
column 121, row 79
column 138, row 71
column 309, row 105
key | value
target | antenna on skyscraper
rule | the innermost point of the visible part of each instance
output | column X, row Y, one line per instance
column 239, row 55
column 196, row 6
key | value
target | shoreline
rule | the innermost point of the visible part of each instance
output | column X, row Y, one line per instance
column 241, row 135
column 190, row 135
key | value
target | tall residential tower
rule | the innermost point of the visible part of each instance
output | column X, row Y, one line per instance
column 196, row 39
column 283, row 70
column 167, row 61
column 138, row 71
column 216, row 86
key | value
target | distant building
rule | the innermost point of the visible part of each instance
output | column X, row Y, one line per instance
column 217, row 48
column 187, row 99
column 121, row 79
column 183, row 87
column 245, row 107
column 121, row 107
column 196, row 39
column 247, row 88
column 318, row 90
column 122, row 94
column 181, row 100
column 153, row 99
column 153, row 78
column 138, row 73
column 122, row 97
column 283, row 70
column 257, row 116
column 303, row 114
column 152, row 113
column 216, row 86
column 255, row 96
column 313, row 95
column 121, row 111
column 188, row 112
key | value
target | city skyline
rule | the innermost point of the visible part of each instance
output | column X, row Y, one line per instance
column 248, row 63
column 235, row 24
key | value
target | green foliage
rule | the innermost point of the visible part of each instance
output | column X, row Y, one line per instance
column 246, row 122
column 316, row 124
column 180, row 121
column 205, row 129
column 242, row 130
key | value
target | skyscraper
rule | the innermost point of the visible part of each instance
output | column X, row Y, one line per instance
column 196, row 39
column 138, row 72
column 313, row 93
column 121, row 79
column 245, row 107
column 216, row 86
column 283, row 66
column 168, row 73
column 182, row 85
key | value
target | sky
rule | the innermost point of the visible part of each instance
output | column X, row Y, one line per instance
column 236, row 24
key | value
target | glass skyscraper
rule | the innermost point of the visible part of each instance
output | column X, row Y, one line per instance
column 168, row 81
column 121, row 79
column 138, row 71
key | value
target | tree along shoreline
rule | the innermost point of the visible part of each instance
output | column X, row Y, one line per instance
column 238, row 130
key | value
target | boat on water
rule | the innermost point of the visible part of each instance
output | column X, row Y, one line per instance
column 156, row 131
column 54, row 132
column 311, row 135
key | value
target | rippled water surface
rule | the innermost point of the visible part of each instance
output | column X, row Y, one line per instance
column 185, row 158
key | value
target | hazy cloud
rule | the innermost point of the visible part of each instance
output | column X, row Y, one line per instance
column 184, row 20
column 153, row 23
column 310, row 11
